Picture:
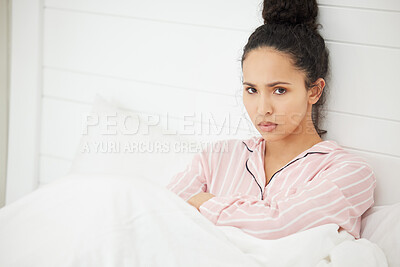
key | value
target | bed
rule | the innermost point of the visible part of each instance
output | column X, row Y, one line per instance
column 112, row 209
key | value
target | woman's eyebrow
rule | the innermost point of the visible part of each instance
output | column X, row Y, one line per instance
column 269, row 84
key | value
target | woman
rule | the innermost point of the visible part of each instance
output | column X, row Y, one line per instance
column 289, row 179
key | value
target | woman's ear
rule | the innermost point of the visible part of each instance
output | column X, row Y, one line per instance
column 316, row 90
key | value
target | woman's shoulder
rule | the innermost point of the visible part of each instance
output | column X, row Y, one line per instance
column 341, row 156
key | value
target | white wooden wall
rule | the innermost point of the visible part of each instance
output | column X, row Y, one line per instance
column 184, row 56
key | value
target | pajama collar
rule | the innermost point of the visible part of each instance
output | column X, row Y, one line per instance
column 255, row 162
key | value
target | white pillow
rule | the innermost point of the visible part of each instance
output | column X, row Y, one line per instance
column 381, row 225
column 122, row 142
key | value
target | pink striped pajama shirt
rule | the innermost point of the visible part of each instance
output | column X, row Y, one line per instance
column 324, row 184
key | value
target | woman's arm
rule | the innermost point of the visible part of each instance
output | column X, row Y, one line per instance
column 339, row 195
column 192, row 180
column 197, row 200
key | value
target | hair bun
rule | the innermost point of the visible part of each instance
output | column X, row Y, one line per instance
column 290, row 12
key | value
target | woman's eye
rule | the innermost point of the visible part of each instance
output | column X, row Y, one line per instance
column 251, row 90
column 283, row 90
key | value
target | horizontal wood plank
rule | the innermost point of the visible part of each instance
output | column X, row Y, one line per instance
column 340, row 23
column 388, row 5
column 362, row 81
column 182, row 56
column 363, row 133
column 213, row 13
column 367, row 27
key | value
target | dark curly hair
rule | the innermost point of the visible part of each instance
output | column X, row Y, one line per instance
column 290, row 27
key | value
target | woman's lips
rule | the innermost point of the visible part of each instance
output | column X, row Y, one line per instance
column 267, row 127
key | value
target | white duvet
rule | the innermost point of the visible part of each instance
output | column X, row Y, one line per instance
column 104, row 220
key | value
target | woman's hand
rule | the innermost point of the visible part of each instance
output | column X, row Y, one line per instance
column 199, row 199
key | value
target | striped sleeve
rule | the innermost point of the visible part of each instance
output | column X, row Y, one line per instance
column 190, row 181
column 338, row 195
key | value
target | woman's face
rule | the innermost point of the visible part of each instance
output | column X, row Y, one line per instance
column 274, row 91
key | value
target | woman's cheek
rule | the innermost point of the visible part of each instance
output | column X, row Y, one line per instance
column 295, row 121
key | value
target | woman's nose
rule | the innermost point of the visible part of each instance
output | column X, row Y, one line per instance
column 264, row 106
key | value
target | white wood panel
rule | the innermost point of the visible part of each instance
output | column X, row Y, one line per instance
column 178, row 55
column 360, row 26
column 62, row 127
column 363, row 81
column 141, row 96
column 117, row 48
column 241, row 15
column 238, row 14
column 363, row 133
column 360, row 86
column 390, row 5
column 339, row 23
column 387, row 176
column 25, row 93
column 52, row 168
column 358, row 65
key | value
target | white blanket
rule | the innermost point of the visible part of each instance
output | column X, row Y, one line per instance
column 103, row 220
